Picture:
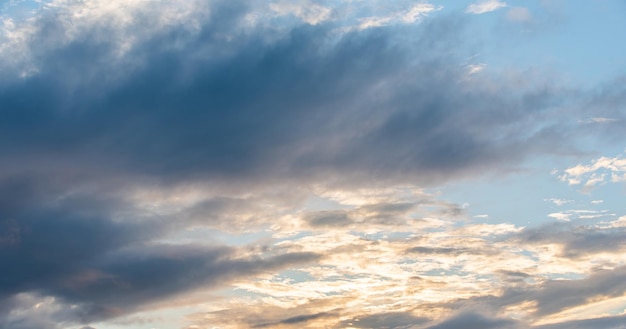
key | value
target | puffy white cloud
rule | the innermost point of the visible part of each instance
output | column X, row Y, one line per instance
column 600, row 171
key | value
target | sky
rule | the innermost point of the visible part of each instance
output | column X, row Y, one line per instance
column 192, row 164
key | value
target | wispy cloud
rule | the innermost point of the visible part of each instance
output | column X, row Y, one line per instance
column 407, row 16
column 485, row 6
column 475, row 68
column 519, row 15
column 559, row 202
column 568, row 215
column 309, row 12
column 599, row 120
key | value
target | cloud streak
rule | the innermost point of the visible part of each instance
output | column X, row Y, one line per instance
column 485, row 6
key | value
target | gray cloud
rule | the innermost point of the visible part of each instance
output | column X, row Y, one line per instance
column 440, row 250
column 372, row 214
column 296, row 320
column 609, row 322
column 302, row 103
column 476, row 321
column 557, row 295
column 99, row 254
column 386, row 320
column 551, row 296
column 329, row 219
column 576, row 241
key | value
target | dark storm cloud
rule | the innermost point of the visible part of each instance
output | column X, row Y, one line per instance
column 261, row 104
column 99, row 254
column 130, row 278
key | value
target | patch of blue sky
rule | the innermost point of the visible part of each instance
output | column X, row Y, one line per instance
column 291, row 237
column 524, row 197
column 384, row 235
column 516, row 199
column 565, row 276
column 317, row 203
column 238, row 292
column 528, row 254
column 579, row 41
column 295, row 276
column 20, row 9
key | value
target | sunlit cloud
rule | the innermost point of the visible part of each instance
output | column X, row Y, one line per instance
column 600, row 171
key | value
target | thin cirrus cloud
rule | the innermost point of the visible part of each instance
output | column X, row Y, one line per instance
column 485, row 6
column 242, row 164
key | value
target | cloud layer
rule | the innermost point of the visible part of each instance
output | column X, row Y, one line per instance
column 271, row 165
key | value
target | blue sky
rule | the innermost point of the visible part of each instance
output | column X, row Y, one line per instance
column 312, row 164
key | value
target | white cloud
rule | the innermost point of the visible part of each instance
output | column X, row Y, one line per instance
column 418, row 11
column 620, row 222
column 598, row 120
column 412, row 15
column 564, row 217
column 559, row 202
column 475, row 68
column 579, row 214
column 599, row 172
column 121, row 24
column 485, row 6
column 307, row 11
